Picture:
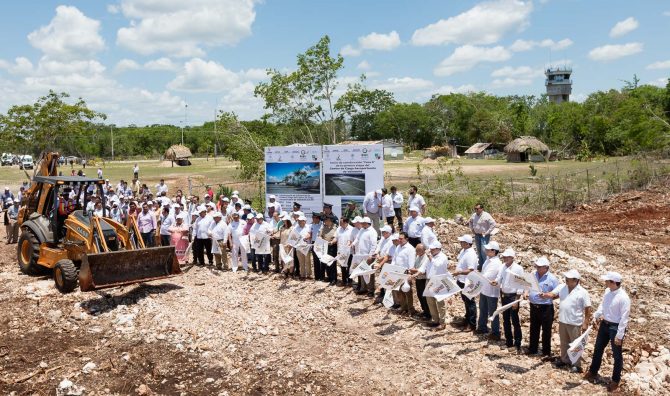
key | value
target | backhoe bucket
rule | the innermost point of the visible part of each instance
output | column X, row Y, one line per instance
column 103, row 270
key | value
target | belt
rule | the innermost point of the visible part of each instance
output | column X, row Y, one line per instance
column 541, row 305
column 509, row 294
column 610, row 323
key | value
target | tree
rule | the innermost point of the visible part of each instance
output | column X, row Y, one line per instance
column 50, row 123
column 410, row 124
column 305, row 96
column 362, row 105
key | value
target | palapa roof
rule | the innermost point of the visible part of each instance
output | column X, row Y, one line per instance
column 178, row 152
column 523, row 143
column 477, row 148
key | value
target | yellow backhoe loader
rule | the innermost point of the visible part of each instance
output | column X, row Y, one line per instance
column 96, row 252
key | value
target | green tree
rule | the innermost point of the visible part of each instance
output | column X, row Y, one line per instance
column 410, row 124
column 361, row 106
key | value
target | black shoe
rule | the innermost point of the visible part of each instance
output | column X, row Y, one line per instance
column 576, row 370
column 432, row 324
column 371, row 294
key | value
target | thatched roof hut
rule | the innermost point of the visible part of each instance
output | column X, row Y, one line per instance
column 179, row 153
column 526, row 148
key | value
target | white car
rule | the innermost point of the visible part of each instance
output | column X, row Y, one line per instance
column 26, row 162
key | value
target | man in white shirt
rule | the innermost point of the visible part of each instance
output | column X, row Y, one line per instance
column 420, row 280
column 202, row 243
column 574, row 314
column 372, row 205
column 467, row 262
column 365, row 244
column 166, row 221
column 397, row 199
column 302, row 249
column 357, row 223
column 437, row 265
column 413, row 226
column 405, row 256
column 236, row 233
column 218, row 231
column 612, row 319
column 387, row 209
column 481, row 224
column 488, row 298
column 259, row 236
column 161, row 188
column 415, row 199
column 273, row 206
column 510, row 293
column 427, row 234
column 343, row 250
column 314, row 228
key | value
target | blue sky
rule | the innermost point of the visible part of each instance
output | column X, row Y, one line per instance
column 142, row 61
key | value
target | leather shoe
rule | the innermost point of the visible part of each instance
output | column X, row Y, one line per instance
column 589, row 376
column 612, row 386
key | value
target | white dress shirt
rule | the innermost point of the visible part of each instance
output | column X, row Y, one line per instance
column 467, row 260
column 615, row 308
column 342, row 235
column 507, row 284
column 397, row 199
column 366, row 241
column 201, row 226
column 413, row 226
column 573, row 303
column 404, row 256
column 236, row 231
column 383, row 246
column 482, row 224
column 416, row 200
column 371, row 202
column 490, row 270
column 437, row 265
column 166, row 222
column 387, row 206
column 427, row 236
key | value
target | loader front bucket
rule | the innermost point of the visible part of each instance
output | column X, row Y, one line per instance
column 102, row 270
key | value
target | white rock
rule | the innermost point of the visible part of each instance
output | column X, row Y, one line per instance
column 43, row 365
column 88, row 367
column 54, row 315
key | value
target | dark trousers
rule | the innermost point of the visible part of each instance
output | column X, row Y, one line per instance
column 420, row 287
column 296, row 266
column 331, row 270
column 414, row 241
column 275, row 258
column 252, row 258
column 200, row 248
column 606, row 335
column 541, row 318
column 165, row 240
column 511, row 318
column 318, row 267
column 470, row 308
column 148, row 238
column 389, row 221
column 345, row 272
column 398, row 215
column 263, row 261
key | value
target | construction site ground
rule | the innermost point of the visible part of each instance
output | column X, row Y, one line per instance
column 209, row 332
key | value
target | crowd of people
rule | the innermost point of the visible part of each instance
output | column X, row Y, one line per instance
column 388, row 230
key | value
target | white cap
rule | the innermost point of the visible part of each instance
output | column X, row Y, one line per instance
column 259, row 215
column 287, row 217
column 572, row 274
column 611, row 276
column 181, row 215
column 272, row 197
column 465, row 238
column 428, row 220
column 509, row 252
column 225, row 199
column 302, row 218
column 202, row 208
column 176, row 206
column 493, row 245
column 366, row 219
column 395, row 237
column 386, row 228
column 542, row 262
column 435, row 245
column 379, row 192
column 211, row 205
column 217, row 214
column 234, row 196
column 6, row 187
column 357, row 219
column 414, row 208
column 236, row 193
column 150, row 203
column 247, row 207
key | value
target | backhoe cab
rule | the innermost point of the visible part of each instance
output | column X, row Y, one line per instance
column 58, row 233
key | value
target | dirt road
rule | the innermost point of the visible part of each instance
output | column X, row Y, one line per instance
column 210, row 332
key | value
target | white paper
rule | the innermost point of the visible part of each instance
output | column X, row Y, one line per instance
column 320, row 247
column 578, row 346
column 245, row 244
column 287, row 258
column 389, row 280
column 505, row 308
column 361, row 270
column 441, row 287
column 327, row 259
column 343, row 258
column 527, row 281
column 474, row 284
column 388, row 298
column 357, row 259
column 293, row 239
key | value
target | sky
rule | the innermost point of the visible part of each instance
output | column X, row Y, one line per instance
column 178, row 62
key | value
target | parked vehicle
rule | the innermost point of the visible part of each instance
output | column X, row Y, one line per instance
column 7, row 159
column 26, row 162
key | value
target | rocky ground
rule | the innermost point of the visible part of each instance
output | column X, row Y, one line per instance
column 210, row 332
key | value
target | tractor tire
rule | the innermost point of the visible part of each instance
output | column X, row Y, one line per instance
column 65, row 276
column 28, row 252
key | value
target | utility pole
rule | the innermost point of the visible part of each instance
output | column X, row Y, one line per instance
column 111, row 131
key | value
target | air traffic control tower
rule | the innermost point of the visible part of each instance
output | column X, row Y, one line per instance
column 559, row 84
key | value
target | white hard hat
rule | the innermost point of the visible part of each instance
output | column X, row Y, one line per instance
column 611, row 276
column 428, row 220
column 493, row 245
column 509, row 252
column 465, row 238
column 386, row 228
column 572, row 274
column 435, row 245
column 542, row 262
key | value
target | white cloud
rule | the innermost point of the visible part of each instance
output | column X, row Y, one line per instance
column 615, row 51
column 666, row 13
column 20, row 66
column 403, row 84
column 485, row 23
column 624, row 27
column 527, row 45
column 161, row 64
column 255, row 74
column 364, row 65
column 69, row 35
column 113, row 8
column 204, row 76
column 515, row 76
column 349, row 50
column 659, row 65
column 126, row 64
column 379, row 41
column 448, row 89
column 466, row 57
column 182, row 28
column 660, row 82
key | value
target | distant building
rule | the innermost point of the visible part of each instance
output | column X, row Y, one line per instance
column 392, row 149
column 179, row 154
column 559, row 84
column 526, row 149
column 477, row 151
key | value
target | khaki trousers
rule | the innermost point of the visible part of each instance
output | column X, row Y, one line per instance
column 568, row 333
column 304, row 264
column 438, row 310
column 12, row 230
column 405, row 300
column 221, row 258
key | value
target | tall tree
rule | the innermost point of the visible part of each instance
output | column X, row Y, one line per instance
column 362, row 105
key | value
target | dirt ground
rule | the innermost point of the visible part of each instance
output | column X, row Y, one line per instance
column 209, row 332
